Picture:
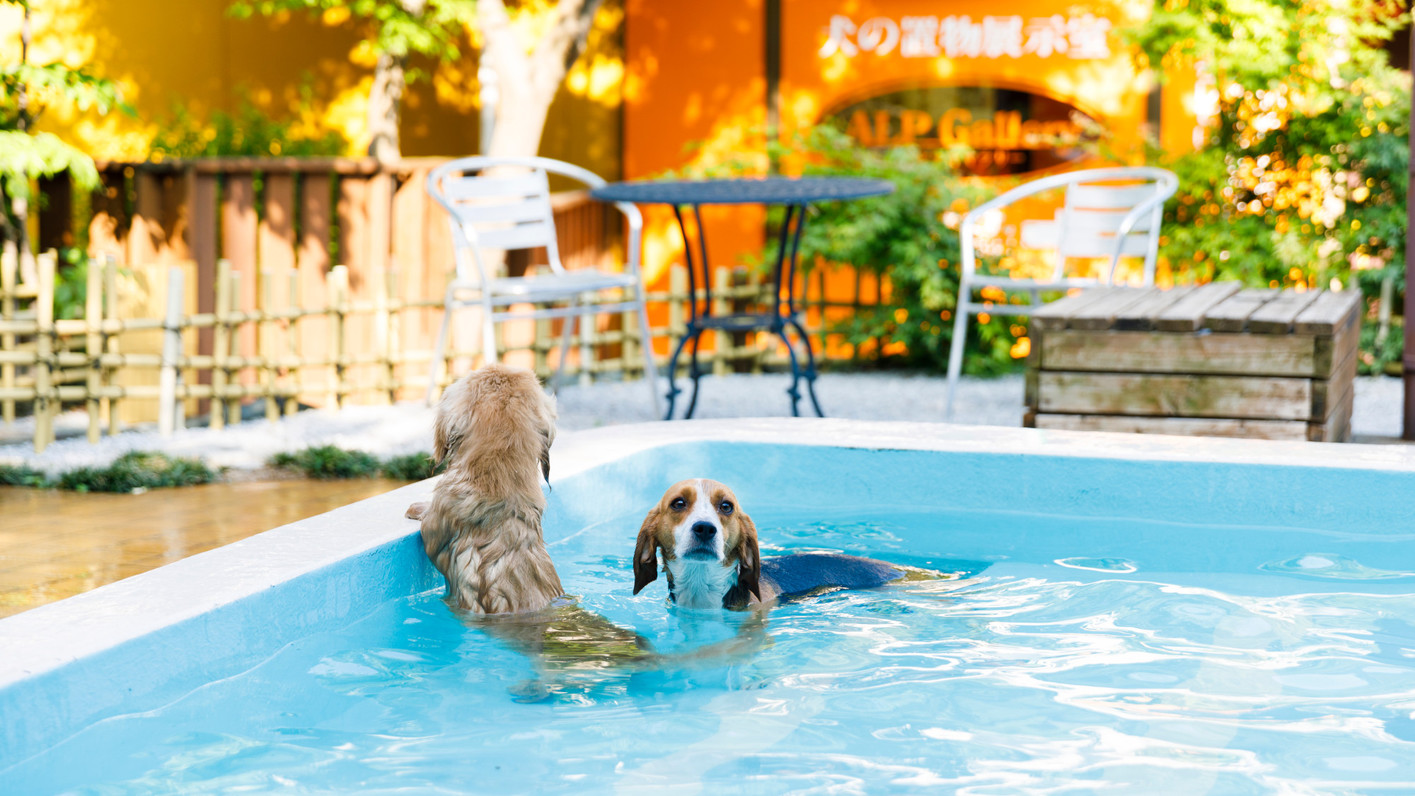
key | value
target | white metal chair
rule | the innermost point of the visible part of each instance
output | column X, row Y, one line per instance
column 504, row 203
column 1109, row 212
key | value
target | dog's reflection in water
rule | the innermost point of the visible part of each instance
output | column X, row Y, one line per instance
column 573, row 652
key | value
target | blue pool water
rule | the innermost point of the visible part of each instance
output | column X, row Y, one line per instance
column 1071, row 652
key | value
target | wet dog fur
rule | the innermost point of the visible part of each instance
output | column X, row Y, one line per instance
column 482, row 528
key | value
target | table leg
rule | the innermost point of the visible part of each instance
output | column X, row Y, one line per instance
column 695, row 334
column 673, row 390
column 810, row 373
column 696, row 373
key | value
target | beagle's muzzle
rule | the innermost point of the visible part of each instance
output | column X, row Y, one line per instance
column 712, row 560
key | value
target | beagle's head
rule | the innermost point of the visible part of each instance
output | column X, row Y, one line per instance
column 709, row 545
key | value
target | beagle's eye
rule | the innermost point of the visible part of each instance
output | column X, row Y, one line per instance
column 678, row 504
column 725, row 507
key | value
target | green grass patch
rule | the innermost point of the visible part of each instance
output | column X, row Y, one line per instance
column 330, row 462
column 20, row 475
column 136, row 470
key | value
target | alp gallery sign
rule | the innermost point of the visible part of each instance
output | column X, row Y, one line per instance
column 1010, row 131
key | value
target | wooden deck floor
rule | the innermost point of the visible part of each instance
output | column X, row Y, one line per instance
column 55, row 544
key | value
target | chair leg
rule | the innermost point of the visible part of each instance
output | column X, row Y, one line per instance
column 646, row 346
column 439, row 353
column 488, row 335
column 565, row 337
column 955, row 349
column 586, row 319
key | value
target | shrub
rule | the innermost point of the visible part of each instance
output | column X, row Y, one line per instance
column 20, row 475
column 411, row 467
column 902, row 236
column 328, row 462
column 137, row 470
column 909, row 236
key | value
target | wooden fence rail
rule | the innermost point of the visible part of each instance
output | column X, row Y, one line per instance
column 290, row 346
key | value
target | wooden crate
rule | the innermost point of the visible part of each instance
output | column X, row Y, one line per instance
column 1211, row 360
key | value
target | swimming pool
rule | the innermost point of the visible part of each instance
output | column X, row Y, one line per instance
column 1214, row 614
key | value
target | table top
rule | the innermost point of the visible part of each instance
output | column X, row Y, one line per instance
column 762, row 190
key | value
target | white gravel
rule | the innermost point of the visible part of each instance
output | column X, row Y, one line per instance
column 406, row 428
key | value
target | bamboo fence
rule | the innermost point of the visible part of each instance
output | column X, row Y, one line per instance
column 219, row 286
column 289, row 345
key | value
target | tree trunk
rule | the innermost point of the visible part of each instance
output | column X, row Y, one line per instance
column 528, row 81
column 384, row 104
column 19, row 203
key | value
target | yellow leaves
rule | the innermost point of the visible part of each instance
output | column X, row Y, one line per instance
column 335, row 16
column 993, row 293
column 1021, row 348
column 364, row 54
column 901, row 315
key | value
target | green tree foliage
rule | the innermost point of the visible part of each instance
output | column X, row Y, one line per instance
column 1303, row 174
column 392, row 30
column 26, row 154
column 395, row 27
column 249, row 131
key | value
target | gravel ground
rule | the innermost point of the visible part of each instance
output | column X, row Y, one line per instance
column 406, row 428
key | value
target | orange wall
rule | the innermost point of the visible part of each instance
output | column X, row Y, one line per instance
column 695, row 74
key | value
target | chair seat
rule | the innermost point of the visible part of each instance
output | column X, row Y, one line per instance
column 550, row 287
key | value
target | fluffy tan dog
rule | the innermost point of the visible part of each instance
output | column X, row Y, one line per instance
column 482, row 528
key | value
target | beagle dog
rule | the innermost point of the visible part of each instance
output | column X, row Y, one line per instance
column 482, row 528
column 711, row 558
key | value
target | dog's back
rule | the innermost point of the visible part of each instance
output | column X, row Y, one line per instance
column 482, row 528
column 803, row 573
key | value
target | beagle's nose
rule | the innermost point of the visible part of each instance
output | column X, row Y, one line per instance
column 704, row 530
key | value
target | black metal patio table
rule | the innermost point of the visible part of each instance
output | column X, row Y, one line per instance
column 796, row 194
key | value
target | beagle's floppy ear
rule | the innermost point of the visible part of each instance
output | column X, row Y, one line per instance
column 749, row 557
column 646, row 553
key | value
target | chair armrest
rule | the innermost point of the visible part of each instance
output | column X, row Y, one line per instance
column 1164, row 188
column 634, row 251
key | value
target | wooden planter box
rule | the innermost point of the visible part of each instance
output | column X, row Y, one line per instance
column 1209, row 360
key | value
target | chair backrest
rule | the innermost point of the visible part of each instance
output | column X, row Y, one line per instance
column 1113, row 213
column 500, row 203
column 1109, row 212
column 1094, row 213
